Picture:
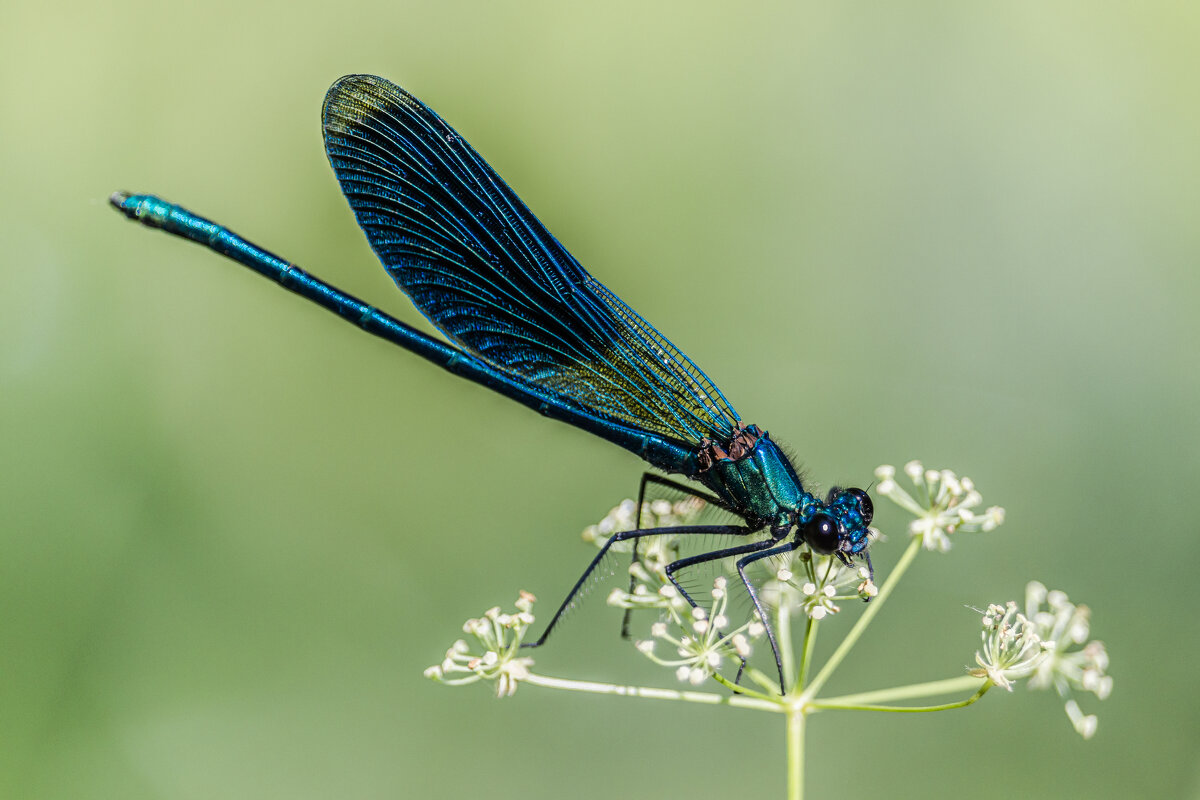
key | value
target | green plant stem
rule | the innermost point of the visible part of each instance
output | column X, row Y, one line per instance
column 770, row 684
column 742, row 690
column 817, row 705
column 742, row 700
column 806, row 656
column 783, row 628
column 795, row 753
column 912, row 691
column 864, row 620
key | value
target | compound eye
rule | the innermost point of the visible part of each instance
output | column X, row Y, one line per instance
column 864, row 503
column 821, row 534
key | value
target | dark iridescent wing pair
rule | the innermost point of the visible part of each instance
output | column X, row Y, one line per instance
column 481, row 267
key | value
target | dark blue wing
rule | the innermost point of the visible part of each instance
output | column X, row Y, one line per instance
column 481, row 267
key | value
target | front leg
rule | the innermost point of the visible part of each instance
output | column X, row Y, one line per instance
column 725, row 530
column 657, row 480
column 762, row 615
column 753, row 548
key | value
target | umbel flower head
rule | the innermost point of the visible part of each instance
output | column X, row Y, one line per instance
column 650, row 587
column 1012, row 648
column 1074, row 664
column 944, row 503
column 1048, row 644
column 812, row 584
column 498, row 637
column 700, row 638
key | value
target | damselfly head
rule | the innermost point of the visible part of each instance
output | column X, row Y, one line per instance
column 840, row 524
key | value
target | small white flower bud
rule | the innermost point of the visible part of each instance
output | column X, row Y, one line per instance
column 1087, row 726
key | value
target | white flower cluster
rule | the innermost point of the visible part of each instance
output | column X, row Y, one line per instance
column 655, row 514
column 822, row 581
column 1074, row 663
column 500, row 636
column 703, row 641
column 1012, row 648
column 1048, row 644
column 944, row 503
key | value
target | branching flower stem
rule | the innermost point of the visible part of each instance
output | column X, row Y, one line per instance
column 860, row 625
column 810, row 644
column 783, row 620
column 744, row 699
column 871, row 701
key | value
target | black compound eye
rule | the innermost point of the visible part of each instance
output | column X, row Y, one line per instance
column 821, row 534
column 864, row 502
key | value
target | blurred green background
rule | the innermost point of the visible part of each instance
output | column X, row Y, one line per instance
column 235, row 530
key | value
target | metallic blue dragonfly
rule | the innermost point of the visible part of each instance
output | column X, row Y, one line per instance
column 526, row 320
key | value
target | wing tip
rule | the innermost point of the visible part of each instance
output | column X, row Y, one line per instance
column 352, row 98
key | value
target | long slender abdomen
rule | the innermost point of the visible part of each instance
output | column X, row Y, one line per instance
column 157, row 213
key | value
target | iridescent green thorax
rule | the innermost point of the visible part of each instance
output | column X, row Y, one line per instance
column 753, row 476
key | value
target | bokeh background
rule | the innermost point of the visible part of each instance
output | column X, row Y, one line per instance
column 235, row 530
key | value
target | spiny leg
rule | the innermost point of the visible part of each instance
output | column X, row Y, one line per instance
column 714, row 555
column 726, row 530
column 650, row 477
column 762, row 615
